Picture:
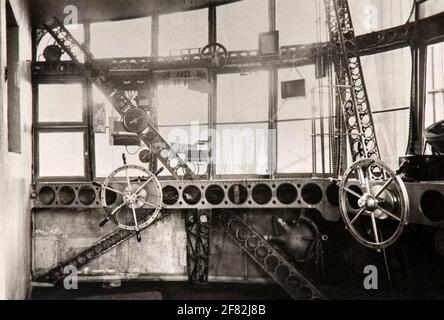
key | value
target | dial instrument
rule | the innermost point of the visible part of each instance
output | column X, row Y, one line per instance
column 135, row 120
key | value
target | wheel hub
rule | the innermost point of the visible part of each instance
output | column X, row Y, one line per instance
column 368, row 202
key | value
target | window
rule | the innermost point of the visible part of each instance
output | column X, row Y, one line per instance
column 373, row 15
column 434, row 111
column 13, row 84
column 57, row 107
column 126, row 38
column 239, row 24
column 61, row 154
column 296, row 21
column 183, row 30
column 294, row 123
column 242, row 123
column 388, row 80
column 61, row 131
column 183, row 121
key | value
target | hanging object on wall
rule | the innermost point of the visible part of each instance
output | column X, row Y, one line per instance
column 293, row 88
column 269, row 43
column 99, row 118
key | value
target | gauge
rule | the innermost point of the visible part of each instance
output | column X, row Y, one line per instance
column 145, row 156
column 135, row 120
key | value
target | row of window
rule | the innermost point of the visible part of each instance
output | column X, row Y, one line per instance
column 238, row 25
column 242, row 117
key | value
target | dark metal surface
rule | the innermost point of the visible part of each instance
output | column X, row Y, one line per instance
column 296, row 284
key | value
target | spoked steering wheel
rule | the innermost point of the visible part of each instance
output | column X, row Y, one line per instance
column 132, row 197
column 374, row 203
column 216, row 53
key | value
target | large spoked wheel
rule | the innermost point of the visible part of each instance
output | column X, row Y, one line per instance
column 132, row 197
column 216, row 53
column 374, row 203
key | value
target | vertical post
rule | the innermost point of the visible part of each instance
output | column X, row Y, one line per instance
column 212, row 97
column 90, row 137
column 153, row 102
column 273, row 100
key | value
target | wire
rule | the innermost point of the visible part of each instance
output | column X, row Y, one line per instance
column 132, row 154
column 412, row 11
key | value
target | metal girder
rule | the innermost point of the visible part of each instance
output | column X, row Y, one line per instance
column 296, row 284
column 351, row 85
column 320, row 194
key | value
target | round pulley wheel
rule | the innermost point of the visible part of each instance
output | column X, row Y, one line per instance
column 216, row 53
column 132, row 197
column 374, row 203
column 135, row 120
column 52, row 53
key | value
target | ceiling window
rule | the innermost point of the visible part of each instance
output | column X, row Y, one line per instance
column 183, row 32
column 239, row 24
column 126, row 38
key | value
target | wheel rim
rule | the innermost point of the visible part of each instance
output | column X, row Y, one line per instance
column 377, row 218
column 144, row 193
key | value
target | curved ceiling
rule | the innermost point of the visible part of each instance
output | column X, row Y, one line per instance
column 101, row 10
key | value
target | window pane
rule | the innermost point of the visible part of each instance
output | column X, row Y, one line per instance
column 294, row 141
column 435, row 85
column 392, row 134
column 75, row 29
column 372, row 15
column 61, row 154
column 294, row 147
column 179, row 105
column 242, row 97
column 239, row 23
column 60, row 103
column 388, row 81
column 183, row 30
column 126, row 38
column 242, row 149
column 296, row 21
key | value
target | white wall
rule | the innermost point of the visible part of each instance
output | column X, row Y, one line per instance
column 15, row 169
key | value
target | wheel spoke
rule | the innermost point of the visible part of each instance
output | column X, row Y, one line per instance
column 113, row 190
column 143, row 185
column 375, row 228
column 135, row 217
column 385, row 186
column 127, row 179
column 388, row 213
column 363, row 179
column 148, row 203
column 357, row 195
column 356, row 217
column 118, row 208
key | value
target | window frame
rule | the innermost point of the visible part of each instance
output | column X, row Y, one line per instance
column 62, row 127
